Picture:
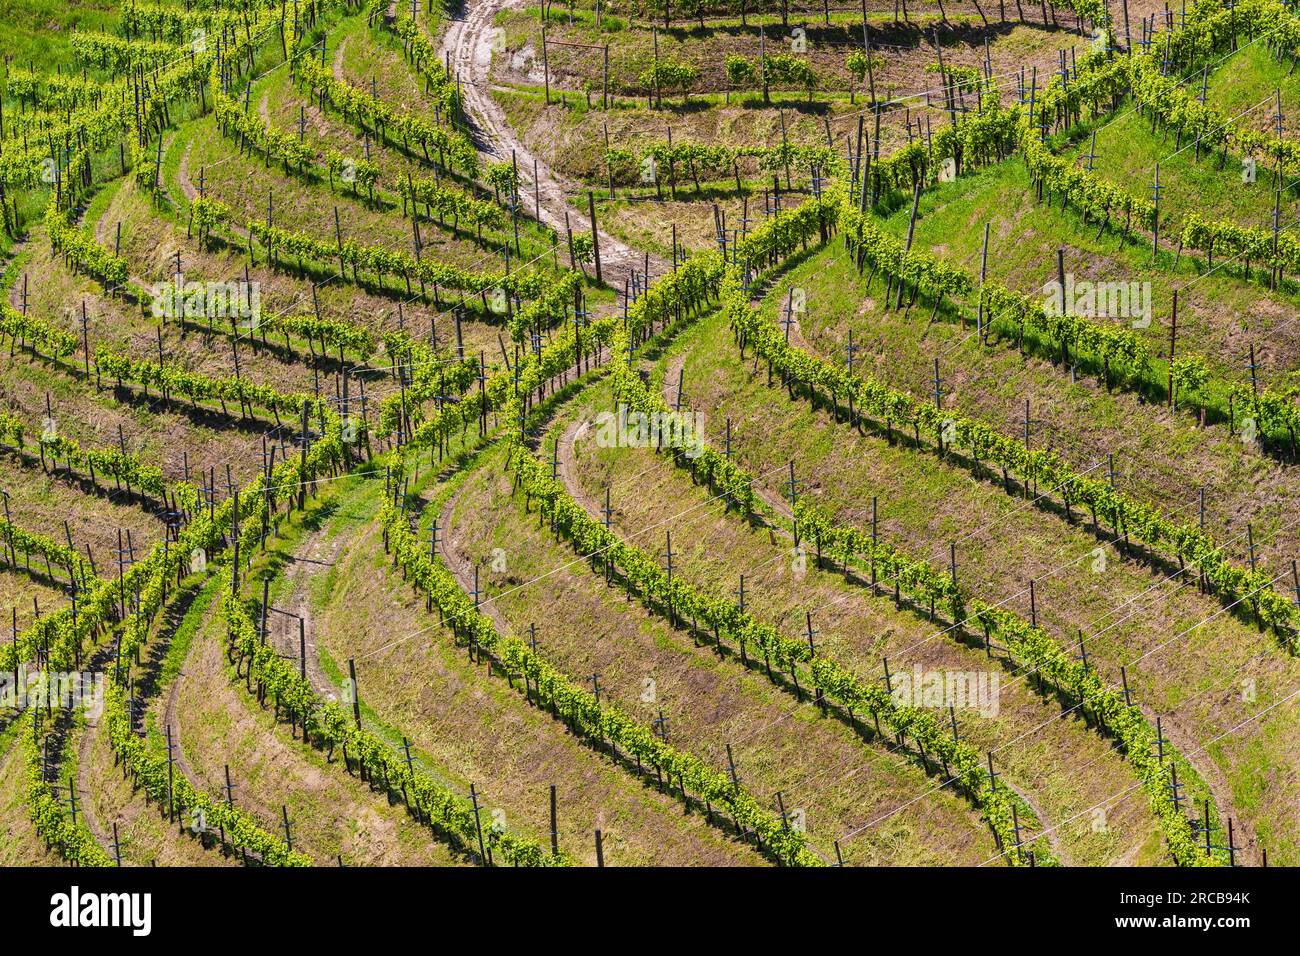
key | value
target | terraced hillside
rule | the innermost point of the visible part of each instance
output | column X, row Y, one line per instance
column 626, row 433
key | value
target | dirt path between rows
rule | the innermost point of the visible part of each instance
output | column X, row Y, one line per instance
column 183, row 174
column 320, row 551
column 84, row 747
column 468, row 39
column 190, row 190
column 316, row 555
column 461, row 567
column 772, row 499
column 566, row 454
column 1220, row 789
column 102, row 234
column 16, row 287
column 171, row 719
column 337, row 63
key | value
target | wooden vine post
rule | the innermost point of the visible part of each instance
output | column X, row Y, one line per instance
column 555, row 832
column 595, row 234
column 356, row 695
column 546, row 65
column 302, row 462
column 1173, row 340
column 1155, row 219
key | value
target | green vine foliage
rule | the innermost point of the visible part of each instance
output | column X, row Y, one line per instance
column 54, row 552
column 1031, row 650
column 1120, row 353
column 111, row 463
column 75, row 844
column 666, row 76
column 51, row 96
column 646, row 578
column 11, row 430
column 106, row 116
column 150, row 772
column 454, row 149
column 382, row 263
column 447, row 203
column 1232, row 241
column 548, row 310
column 509, row 391
column 710, row 161
column 81, row 249
column 64, row 635
column 584, row 714
column 115, row 54
column 275, row 145
column 985, row 445
column 1030, row 647
column 331, row 725
column 36, row 334
column 178, row 25
column 433, row 373
column 1081, row 189
column 423, row 54
column 197, row 386
column 986, row 136
column 1209, row 27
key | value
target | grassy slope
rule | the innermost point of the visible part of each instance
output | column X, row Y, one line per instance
column 158, row 433
column 150, row 242
column 36, row 31
column 331, row 812
column 1253, row 76
column 632, row 49
column 1192, row 673
column 245, row 186
column 41, row 503
column 1160, row 457
column 469, row 726
column 17, row 590
column 21, row 845
column 285, row 107
column 1065, row 770
column 817, row 763
column 1220, row 317
column 1127, row 153
column 1218, row 314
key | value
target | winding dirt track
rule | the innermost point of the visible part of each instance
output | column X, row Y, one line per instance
column 16, row 288
column 468, row 39
column 171, row 717
column 461, row 566
column 84, row 748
